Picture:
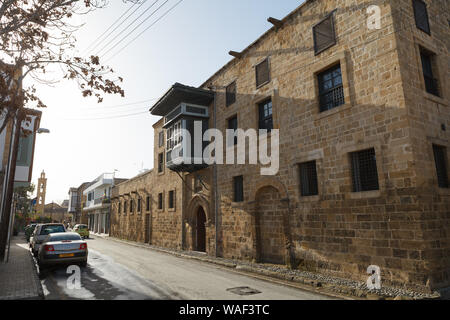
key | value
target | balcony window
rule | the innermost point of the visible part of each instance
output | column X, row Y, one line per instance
column 428, row 62
column 174, row 136
column 331, row 90
column 265, row 115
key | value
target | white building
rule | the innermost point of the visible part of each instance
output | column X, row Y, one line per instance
column 98, row 203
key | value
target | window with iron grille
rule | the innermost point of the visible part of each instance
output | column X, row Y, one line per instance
column 171, row 199
column 139, row 205
column 364, row 170
column 431, row 83
column 160, row 162
column 161, row 139
column 231, row 94
column 147, row 203
column 262, row 73
column 160, row 201
column 421, row 16
column 331, row 89
column 265, row 115
column 440, row 159
column 308, row 179
column 238, row 183
column 324, row 34
column 233, row 125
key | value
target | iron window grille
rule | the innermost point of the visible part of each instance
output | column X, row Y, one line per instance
column 233, row 125
column 171, row 199
column 431, row 83
column 440, row 160
column 262, row 73
column 265, row 115
column 160, row 162
column 421, row 16
column 231, row 94
column 147, row 203
column 324, row 34
column 364, row 171
column 331, row 89
column 160, row 201
column 308, row 179
column 238, row 183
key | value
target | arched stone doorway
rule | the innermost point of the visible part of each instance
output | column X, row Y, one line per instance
column 200, row 233
column 269, row 215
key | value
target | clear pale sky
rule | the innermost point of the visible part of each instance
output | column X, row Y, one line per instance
column 187, row 46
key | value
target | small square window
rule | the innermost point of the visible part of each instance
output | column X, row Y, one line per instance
column 231, row 94
column 265, row 115
column 440, row 159
column 324, row 34
column 160, row 201
column 308, row 179
column 238, row 183
column 421, row 16
column 262, row 73
column 364, row 171
column 171, row 199
column 331, row 89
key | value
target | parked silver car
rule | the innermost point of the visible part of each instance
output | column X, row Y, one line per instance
column 41, row 232
column 63, row 248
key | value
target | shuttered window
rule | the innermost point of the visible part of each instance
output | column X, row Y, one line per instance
column 231, row 94
column 421, row 16
column 324, row 34
column 364, row 171
column 308, row 179
column 440, row 160
column 238, row 184
column 262, row 73
column 431, row 83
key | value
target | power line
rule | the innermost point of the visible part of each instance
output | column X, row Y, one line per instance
column 130, row 24
column 145, row 30
column 106, row 118
column 119, row 105
column 117, row 20
column 128, row 17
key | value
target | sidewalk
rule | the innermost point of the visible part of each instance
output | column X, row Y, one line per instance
column 18, row 278
column 315, row 281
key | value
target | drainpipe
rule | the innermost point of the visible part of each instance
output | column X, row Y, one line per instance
column 216, row 194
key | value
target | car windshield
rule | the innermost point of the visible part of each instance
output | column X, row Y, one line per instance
column 82, row 227
column 52, row 229
column 61, row 237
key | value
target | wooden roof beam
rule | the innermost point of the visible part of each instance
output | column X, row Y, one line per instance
column 277, row 23
column 235, row 54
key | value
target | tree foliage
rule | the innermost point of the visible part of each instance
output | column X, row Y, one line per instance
column 36, row 34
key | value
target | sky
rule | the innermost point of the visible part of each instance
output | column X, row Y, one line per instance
column 188, row 45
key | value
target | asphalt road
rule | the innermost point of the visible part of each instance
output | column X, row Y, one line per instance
column 120, row 271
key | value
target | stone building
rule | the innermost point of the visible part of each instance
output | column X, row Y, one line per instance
column 77, row 201
column 363, row 144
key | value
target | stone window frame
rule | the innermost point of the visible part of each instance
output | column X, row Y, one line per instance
column 344, row 155
column 323, row 65
column 174, row 201
column 439, row 64
column 302, row 157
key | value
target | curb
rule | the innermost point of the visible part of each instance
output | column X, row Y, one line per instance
column 317, row 286
column 41, row 294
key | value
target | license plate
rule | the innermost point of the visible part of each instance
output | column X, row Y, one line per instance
column 65, row 255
